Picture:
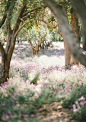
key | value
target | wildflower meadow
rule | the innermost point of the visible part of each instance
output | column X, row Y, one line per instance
column 41, row 89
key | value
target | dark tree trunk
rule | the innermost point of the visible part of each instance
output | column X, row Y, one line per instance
column 3, row 75
column 4, row 65
column 6, row 54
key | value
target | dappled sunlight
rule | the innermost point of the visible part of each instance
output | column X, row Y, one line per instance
column 52, row 61
column 23, row 53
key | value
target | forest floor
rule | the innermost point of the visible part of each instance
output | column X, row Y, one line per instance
column 53, row 56
column 54, row 79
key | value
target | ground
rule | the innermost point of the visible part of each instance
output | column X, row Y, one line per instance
column 52, row 57
column 50, row 64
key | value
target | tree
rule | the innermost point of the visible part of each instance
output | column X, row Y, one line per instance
column 72, row 19
column 65, row 28
column 37, row 36
column 17, row 14
column 8, row 51
column 19, row 10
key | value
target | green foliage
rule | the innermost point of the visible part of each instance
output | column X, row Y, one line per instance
column 11, row 90
column 11, row 74
column 21, row 99
column 34, row 34
column 73, row 100
column 34, row 81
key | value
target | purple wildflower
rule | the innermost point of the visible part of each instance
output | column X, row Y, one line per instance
column 79, row 111
column 8, row 112
column 14, row 116
column 41, row 109
column 81, row 98
column 2, row 104
column 32, row 115
column 82, row 104
column 80, row 93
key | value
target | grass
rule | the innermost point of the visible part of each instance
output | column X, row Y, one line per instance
column 36, row 82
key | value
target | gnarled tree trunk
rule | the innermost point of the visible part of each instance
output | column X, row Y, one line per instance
column 6, row 53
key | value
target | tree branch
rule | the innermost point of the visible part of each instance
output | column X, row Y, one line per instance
column 5, row 13
column 8, row 24
column 18, row 19
column 10, row 51
column 43, row 39
column 28, row 22
column 59, row 33
column 33, row 10
column 29, row 39
column 9, row 14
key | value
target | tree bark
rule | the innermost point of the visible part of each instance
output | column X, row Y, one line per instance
column 75, row 29
column 4, row 66
column 80, row 9
column 67, row 54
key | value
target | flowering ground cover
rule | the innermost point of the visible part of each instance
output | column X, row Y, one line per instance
column 41, row 89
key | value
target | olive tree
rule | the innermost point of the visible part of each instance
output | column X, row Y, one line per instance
column 15, row 15
column 66, row 29
column 37, row 36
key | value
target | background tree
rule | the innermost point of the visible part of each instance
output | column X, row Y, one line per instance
column 37, row 36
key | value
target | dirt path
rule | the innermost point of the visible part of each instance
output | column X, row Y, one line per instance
column 54, row 112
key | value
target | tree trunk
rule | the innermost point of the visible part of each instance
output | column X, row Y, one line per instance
column 75, row 29
column 6, row 54
column 69, row 59
column 3, row 75
column 35, row 52
column 67, row 54
column 65, row 28
column 4, row 66
column 80, row 8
